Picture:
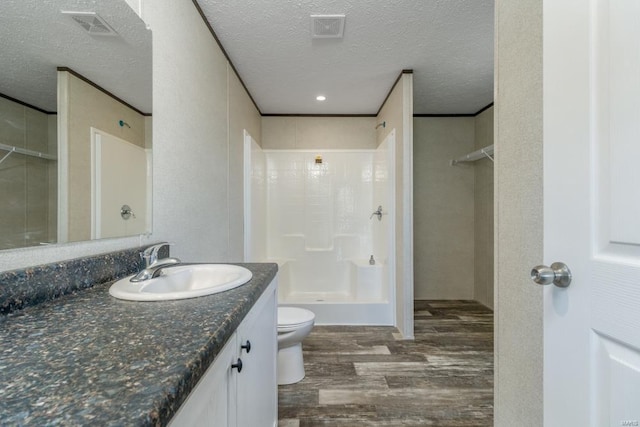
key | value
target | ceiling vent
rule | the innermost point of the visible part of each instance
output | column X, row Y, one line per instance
column 327, row 26
column 92, row 23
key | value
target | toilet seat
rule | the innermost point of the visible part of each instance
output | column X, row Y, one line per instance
column 292, row 318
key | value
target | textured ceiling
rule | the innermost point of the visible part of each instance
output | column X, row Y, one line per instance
column 447, row 43
column 37, row 38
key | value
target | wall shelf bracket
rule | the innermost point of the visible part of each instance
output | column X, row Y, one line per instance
column 475, row 156
column 12, row 149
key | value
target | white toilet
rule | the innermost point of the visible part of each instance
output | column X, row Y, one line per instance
column 294, row 324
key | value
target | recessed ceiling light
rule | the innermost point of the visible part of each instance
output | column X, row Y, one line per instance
column 321, row 97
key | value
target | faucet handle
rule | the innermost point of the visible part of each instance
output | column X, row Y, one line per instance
column 150, row 254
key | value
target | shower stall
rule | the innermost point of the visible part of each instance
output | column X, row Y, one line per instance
column 316, row 213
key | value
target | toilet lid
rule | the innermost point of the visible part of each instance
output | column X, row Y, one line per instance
column 288, row 316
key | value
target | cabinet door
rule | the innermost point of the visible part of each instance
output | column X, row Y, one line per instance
column 257, row 383
column 212, row 401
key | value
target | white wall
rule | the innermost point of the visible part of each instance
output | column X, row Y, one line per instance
column 200, row 111
column 384, row 195
column 318, row 214
column 255, row 223
column 397, row 113
column 190, row 152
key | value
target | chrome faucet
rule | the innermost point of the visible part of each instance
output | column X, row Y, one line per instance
column 153, row 265
column 150, row 255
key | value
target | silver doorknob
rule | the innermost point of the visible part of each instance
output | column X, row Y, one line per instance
column 558, row 274
column 126, row 212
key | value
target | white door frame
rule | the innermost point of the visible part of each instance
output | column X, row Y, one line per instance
column 247, row 166
column 407, row 325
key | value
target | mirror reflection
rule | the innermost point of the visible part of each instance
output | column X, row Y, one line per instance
column 75, row 139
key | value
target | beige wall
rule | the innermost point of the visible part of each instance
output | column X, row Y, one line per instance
column 443, row 208
column 81, row 107
column 26, row 185
column 53, row 179
column 282, row 132
column 483, row 212
column 518, row 204
column 397, row 113
column 453, row 209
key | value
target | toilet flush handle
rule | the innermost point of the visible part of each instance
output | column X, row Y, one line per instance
column 247, row 346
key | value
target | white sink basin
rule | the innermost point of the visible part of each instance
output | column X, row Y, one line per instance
column 183, row 281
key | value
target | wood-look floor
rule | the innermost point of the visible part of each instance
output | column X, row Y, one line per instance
column 363, row 376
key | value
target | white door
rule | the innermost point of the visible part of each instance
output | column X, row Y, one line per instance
column 591, row 76
column 119, row 174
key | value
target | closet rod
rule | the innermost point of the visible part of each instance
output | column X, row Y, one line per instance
column 476, row 155
column 12, row 149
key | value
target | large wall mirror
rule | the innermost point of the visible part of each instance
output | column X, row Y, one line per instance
column 75, row 122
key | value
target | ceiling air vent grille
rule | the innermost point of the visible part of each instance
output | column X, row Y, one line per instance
column 327, row 26
column 92, row 23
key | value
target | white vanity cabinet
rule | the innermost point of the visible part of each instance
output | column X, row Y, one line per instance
column 257, row 384
column 212, row 402
column 246, row 397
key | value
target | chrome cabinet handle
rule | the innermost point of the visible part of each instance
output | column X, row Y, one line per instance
column 558, row 274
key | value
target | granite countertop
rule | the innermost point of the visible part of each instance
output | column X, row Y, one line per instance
column 90, row 359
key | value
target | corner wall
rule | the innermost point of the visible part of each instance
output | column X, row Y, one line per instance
column 397, row 113
column 27, row 183
column 243, row 115
column 453, row 209
column 519, row 216
column 483, row 212
column 81, row 107
column 189, row 133
column 199, row 112
column 443, row 208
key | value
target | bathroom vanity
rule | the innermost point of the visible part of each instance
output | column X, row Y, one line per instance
column 240, row 386
column 90, row 359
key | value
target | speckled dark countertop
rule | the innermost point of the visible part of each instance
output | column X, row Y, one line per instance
column 90, row 359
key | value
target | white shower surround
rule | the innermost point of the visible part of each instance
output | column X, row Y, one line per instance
column 318, row 229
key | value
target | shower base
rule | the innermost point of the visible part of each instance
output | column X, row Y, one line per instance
column 342, row 310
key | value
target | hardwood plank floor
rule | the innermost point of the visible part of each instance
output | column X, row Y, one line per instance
column 362, row 376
